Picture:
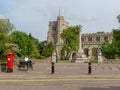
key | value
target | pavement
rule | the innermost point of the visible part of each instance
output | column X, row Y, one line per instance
column 64, row 71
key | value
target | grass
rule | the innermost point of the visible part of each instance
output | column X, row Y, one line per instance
column 63, row 61
column 93, row 61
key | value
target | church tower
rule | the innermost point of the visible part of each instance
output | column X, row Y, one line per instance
column 55, row 30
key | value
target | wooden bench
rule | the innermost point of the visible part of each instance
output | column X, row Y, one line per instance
column 23, row 65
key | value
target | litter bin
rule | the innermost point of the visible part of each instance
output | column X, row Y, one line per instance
column 3, row 67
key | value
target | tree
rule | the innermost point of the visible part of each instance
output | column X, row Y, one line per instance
column 25, row 42
column 47, row 50
column 118, row 17
column 111, row 50
column 116, row 41
column 41, row 46
column 3, row 40
column 70, row 37
column 94, row 52
column 116, row 34
column 13, row 48
column 5, row 28
column 108, row 50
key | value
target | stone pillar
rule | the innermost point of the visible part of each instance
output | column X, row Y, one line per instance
column 80, row 41
column 80, row 56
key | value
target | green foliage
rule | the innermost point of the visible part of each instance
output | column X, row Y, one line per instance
column 116, row 41
column 94, row 51
column 25, row 43
column 118, row 17
column 108, row 50
column 47, row 50
column 41, row 46
column 70, row 37
column 2, row 43
column 93, row 61
column 116, row 34
column 5, row 26
column 111, row 50
column 12, row 47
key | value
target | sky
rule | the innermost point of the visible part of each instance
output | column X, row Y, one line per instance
column 33, row 16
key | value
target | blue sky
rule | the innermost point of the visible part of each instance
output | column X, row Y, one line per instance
column 33, row 16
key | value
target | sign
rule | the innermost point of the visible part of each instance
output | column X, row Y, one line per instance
column 53, row 57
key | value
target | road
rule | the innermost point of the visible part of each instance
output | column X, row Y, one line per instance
column 61, row 84
column 67, row 76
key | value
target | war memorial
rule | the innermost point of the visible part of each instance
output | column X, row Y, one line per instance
column 88, row 41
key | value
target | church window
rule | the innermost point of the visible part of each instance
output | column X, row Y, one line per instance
column 98, row 38
column 82, row 39
column 89, row 39
column 105, row 38
column 53, row 28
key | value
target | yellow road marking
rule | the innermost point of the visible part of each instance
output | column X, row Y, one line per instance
column 60, row 79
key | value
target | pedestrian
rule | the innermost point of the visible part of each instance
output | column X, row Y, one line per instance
column 26, row 59
column 30, row 64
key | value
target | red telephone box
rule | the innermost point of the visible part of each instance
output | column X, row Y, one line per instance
column 9, row 62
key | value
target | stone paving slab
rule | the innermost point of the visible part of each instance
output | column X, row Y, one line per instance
column 65, row 70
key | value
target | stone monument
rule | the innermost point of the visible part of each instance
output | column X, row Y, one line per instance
column 100, row 58
column 80, row 56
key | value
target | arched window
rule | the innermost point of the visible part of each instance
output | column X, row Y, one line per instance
column 82, row 39
column 98, row 38
column 89, row 39
column 105, row 38
column 54, row 28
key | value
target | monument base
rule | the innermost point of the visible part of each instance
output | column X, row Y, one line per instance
column 81, row 57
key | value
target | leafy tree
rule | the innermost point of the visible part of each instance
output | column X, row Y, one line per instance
column 5, row 26
column 47, row 50
column 116, row 34
column 116, row 41
column 3, row 39
column 12, row 47
column 70, row 38
column 94, row 53
column 118, row 17
column 112, row 49
column 108, row 50
column 41, row 46
column 25, row 42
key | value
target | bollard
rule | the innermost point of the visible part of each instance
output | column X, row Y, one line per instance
column 89, row 68
column 52, row 68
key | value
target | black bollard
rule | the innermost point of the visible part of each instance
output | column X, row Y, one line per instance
column 89, row 68
column 52, row 68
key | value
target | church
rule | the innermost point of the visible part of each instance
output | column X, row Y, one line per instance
column 90, row 41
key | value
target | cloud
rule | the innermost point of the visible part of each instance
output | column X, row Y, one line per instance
column 1, row 16
column 33, row 16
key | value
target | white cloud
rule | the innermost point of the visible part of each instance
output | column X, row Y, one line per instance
column 32, row 16
column 1, row 16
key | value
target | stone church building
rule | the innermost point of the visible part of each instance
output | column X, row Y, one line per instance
column 89, row 40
